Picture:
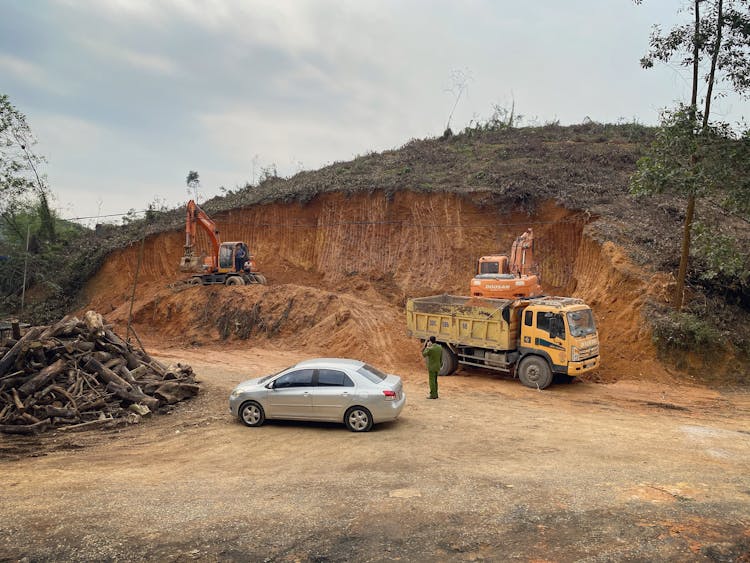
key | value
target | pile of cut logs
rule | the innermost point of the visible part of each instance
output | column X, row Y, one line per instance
column 78, row 373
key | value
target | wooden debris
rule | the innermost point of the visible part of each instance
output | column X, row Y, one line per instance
column 79, row 374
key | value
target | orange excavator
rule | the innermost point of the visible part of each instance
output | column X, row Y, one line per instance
column 229, row 263
column 501, row 277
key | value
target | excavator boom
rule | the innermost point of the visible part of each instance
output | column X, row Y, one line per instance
column 195, row 217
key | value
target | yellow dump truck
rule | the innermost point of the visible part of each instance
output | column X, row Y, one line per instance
column 532, row 339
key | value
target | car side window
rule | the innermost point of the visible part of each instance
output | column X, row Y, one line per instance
column 333, row 378
column 298, row 378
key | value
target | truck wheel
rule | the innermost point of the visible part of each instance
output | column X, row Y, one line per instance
column 195, row 281
column 235, row 280
column 259, row 278
column 534, row 372
column 449, row 362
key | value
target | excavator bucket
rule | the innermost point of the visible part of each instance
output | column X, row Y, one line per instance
column 191, row 264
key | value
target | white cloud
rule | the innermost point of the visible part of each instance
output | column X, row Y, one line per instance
column 72, row 136
column 285, row 139
column 141, row 60
column 29, row 73
column 140, row 10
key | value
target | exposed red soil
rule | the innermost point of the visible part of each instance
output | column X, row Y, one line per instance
column 341, row 267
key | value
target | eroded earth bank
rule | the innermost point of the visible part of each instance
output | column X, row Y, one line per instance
column 340, row 269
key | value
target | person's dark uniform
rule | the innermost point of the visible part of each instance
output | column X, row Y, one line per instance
column 434, row 354
column 239, row 258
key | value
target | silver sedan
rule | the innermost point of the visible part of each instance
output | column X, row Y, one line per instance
column 327, row 389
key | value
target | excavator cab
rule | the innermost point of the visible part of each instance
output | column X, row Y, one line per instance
column 493, row 265
column 227, row 256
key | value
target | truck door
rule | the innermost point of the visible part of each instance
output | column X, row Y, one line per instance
column 545, row 331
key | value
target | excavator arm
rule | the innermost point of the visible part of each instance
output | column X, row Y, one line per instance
column 522, row 255
column 196, row 217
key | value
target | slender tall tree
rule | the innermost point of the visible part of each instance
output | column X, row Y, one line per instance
column 20, row 181
column 718, row 41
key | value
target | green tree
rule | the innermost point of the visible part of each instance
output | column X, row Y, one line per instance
column 19, row 177
column 688, row 157
column 193, row 183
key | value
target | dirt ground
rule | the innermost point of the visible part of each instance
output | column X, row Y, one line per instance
column 492, row 471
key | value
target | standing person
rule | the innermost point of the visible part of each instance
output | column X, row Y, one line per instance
column 434, row 354
column 239, row 257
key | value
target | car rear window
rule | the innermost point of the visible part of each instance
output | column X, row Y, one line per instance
column 372, row 373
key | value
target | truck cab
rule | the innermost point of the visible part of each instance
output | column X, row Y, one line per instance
column 563, row 332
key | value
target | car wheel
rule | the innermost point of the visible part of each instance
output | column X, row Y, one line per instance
column 251, row 414
column 235, row 280
column 534, row 372
column 358, row 419
column 449, row 361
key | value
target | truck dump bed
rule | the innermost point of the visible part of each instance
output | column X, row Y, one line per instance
column 465, row 321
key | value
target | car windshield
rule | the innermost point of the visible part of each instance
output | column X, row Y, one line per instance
column 581, row 323
column 372, row 373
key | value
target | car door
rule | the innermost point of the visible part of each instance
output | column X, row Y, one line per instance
column 332, row 394
column 291, row 395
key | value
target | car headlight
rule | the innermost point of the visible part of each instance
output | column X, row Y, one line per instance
column 235, row 393
column 575, row 354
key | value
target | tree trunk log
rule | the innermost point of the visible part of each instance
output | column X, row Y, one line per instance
column 106, row 374
column 10, row 356
column 134, row 396
column 42, row 378
column 24, row 428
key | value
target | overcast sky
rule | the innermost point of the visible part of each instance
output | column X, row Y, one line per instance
column 127, row 96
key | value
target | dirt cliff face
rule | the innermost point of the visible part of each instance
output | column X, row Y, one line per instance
column 340, row 268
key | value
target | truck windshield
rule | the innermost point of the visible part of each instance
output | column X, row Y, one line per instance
column 581, row 323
